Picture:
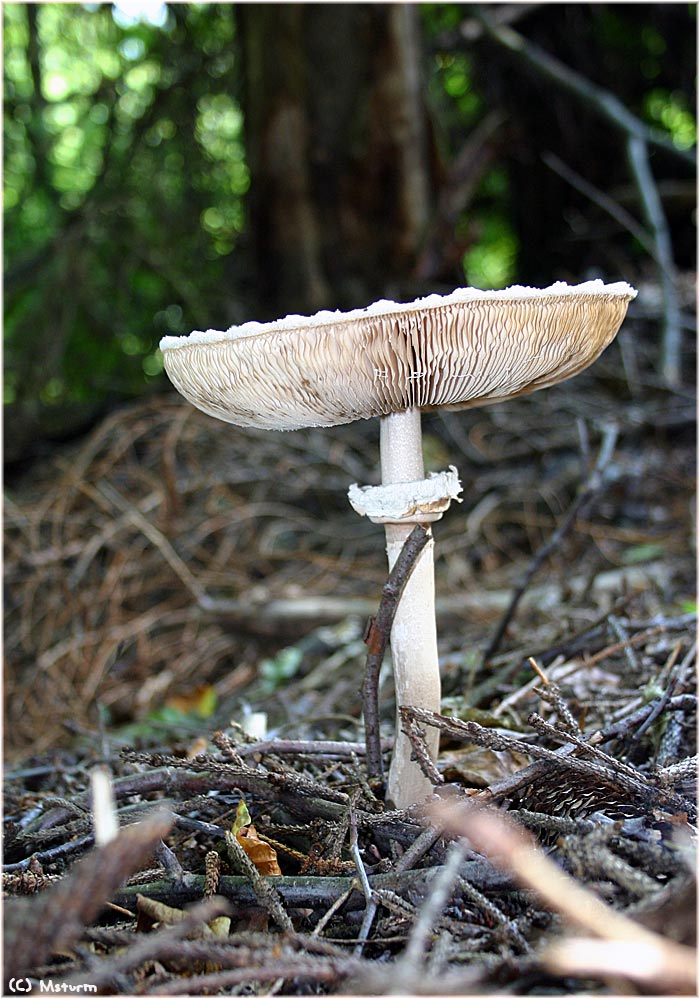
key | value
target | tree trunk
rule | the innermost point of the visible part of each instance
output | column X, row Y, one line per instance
column 338, row 149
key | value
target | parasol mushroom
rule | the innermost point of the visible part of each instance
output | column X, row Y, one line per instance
column 392, row 361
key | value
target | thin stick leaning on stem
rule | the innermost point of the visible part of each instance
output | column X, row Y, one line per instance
column 376, row 639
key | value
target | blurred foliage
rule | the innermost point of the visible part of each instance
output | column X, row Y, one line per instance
column 124, row 181
column 179, row 718
column 645, row 55
column 125, row 172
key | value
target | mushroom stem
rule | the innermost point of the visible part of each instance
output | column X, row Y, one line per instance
column 414, row 632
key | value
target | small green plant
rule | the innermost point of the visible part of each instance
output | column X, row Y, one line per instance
column 275, row 672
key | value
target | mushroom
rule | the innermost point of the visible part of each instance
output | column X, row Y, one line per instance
column 392, row 361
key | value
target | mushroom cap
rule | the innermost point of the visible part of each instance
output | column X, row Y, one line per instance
column 458, row 350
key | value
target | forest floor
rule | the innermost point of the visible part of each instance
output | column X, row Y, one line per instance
column 185, row 611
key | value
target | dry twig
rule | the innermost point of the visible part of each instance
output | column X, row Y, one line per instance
column 667, row 965
column 585, row 497
column 37, row 927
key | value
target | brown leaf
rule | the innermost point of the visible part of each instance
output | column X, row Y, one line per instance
column 477, row 766
column 260, row 852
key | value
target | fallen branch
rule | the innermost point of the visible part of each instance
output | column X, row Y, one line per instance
column 319, row 748
column 263, row 617
column 299, row 891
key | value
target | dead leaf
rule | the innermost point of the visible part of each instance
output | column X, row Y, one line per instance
column 258, row 851
column 476, row 766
